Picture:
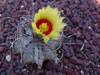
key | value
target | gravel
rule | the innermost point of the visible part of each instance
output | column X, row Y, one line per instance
column 80, row 41
column 8, row 58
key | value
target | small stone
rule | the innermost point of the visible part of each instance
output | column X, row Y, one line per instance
column 22, row 6
column 2, row 73
column 70, row 71
column 65, row 61
column 1, row 49
column 82, row 72
column 8, row 58
column 8, row 71
column 98, row 65
column 0, row 15
column 89, row 27
column 2, row 2
column 10, row 1
column 78, row 34
column 12, row 73
column 24, row 70
column 96, row 25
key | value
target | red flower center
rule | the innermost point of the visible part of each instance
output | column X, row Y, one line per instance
column 49, row 26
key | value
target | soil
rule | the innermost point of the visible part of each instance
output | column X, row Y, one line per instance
column 80, row 40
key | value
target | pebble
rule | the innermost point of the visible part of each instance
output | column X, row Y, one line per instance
column 96, row 25
column 82, row 71
column 10, row 1
column 0, row 15
column 3, row 73
column 70, row 71
column 22, row 6
column 1, row 49
column 89, row 27
column 8, row 58
column 98, row 65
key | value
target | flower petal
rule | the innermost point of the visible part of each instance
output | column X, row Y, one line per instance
column 46, row 39
column 54, row 35
column 36, row 29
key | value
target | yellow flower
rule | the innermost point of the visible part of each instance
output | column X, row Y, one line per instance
column 48, row 23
